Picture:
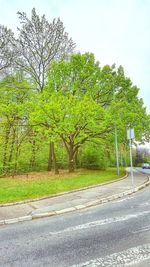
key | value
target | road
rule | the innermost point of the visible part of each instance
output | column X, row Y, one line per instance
column 112, row 234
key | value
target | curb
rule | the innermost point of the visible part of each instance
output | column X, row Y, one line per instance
column 60, row 194
column 75, row 208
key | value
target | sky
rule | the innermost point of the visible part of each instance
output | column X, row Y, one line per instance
column 116, row 31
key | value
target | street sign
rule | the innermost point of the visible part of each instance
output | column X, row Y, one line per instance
column 130, row 137
column 130, row 133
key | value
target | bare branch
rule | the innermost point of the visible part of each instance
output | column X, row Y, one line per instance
column 39, row 43
column 7, row 49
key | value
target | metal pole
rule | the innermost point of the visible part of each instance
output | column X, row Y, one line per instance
column 131, row 164
column 116, row 145
column 116, row 139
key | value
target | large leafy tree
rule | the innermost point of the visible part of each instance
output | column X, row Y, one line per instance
column 70, row 119
column 76, row 82
column 107, row 86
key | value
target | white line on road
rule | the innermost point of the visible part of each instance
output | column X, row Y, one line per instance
column 143, row 229
column 124, row 258
column 101, row 222
column 123, row 199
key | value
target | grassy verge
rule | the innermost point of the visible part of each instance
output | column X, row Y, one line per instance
column 21, row 188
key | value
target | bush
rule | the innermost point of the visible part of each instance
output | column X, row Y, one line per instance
column 93, row 157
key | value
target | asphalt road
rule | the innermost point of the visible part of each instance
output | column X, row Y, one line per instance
column 113, row 234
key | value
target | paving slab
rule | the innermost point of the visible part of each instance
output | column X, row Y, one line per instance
column 11, row 212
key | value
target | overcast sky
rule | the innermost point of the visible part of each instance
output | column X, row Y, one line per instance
column 116, row 31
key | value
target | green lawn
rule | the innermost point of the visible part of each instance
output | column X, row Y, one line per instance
column 15, row 189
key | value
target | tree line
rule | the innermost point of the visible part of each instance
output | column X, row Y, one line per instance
column 58, row 105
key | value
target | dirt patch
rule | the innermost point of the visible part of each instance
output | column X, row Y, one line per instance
column 44, row 175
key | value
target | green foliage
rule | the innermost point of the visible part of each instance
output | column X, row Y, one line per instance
column 93, row 157
column 77, row 111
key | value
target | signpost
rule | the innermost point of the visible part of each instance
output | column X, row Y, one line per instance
column 116, row 145
column 130, row 137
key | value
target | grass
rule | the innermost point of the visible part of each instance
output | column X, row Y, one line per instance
column 34, row 186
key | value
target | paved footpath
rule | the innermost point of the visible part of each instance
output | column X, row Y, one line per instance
column 75, row 200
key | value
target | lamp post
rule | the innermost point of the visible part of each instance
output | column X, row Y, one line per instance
column 130, row 137
column 116, row 137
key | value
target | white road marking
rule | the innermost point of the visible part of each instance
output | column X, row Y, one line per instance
column 124, row 258
column 143, row 229
column 101, row 222
column 123, row 199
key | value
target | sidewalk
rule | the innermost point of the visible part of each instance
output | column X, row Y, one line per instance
column 72, row 201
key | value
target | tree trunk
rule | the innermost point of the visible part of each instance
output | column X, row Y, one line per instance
column 5, row 149
column 32, row 160
column 12, row 148
column 16, row 156
column 54, row 159
column 14, row 172
column 76, row 159
column 71, row 158
column 50, row 160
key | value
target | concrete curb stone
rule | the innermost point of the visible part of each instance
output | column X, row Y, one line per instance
column 25, row 218
column 2, row 222
column 65, row 210
column 43, row 215
column 9, row 221
column 79, row 207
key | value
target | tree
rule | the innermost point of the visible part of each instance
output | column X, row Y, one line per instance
column 79, row 75
column 107, row 86
column 14, row 93
column 39, row 43
column 7, row 49
column 70, row 119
